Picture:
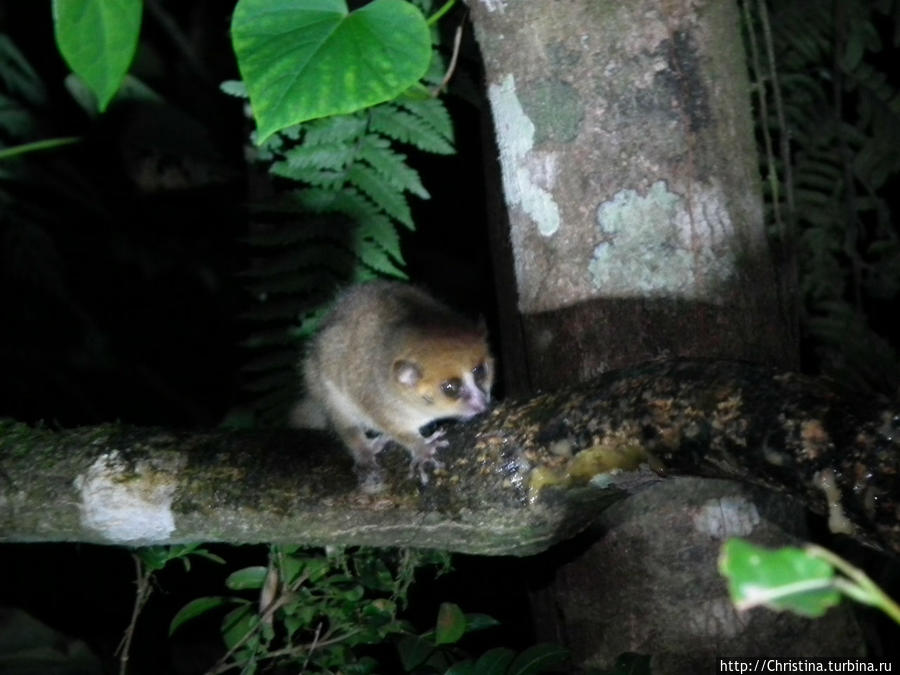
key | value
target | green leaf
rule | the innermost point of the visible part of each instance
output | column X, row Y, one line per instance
column 154, row 557
column 414, row 651
column 249, row 577
column 537, row 659
column 375, row 243
column 451, row 624
column 381, row 192
column 352, row 595
column 297, row 618
column 380, row 611
column 403, row 126
column 97, row 39
column 131, row 89
column 237, row 624
column 305, row 59
column 480, row 622
column 494, row 661
column 200, row 606
column 433, row 113
column 334, row 156
column 374, row 574
column 787, row 578
column 391, row 165
column 364, row 666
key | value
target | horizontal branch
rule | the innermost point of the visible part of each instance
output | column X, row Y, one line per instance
column 517, row 480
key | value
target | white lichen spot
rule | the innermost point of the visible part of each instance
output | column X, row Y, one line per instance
column 494, row 5
column 659, row 245
column 523, row 171
column 726, row 517
column 127, row 503
column 837, row 520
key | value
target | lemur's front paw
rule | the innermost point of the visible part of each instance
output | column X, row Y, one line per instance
column 424, row 455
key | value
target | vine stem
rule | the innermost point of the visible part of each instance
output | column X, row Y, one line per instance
column 862, row 589
column 446, row 7
column 266, row 613
column 142, row 580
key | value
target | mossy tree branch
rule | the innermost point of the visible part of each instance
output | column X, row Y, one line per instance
column 516, row 481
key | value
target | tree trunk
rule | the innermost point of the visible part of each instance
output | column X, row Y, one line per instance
column 630, row 176
column 636, row 232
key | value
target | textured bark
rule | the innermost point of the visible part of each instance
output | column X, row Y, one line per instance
column 683, row 589
column 636, row 225
column 630, row 177
column 516, row 481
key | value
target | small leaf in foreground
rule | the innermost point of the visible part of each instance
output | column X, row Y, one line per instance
column 785, row 579
column 451, row 624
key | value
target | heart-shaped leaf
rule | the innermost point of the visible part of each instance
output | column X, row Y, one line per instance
column 304, row 59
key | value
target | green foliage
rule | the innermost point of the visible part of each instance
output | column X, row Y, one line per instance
column 98, row 39
column 438, row 650
column 804, row 581
column 784, row 579
column 830, row 119
column 22, row 90
column 324, row 612
column 307, row 59
column 347, row 184
column 155, row 558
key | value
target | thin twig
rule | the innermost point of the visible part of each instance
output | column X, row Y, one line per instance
column 265, row 615
column 312, row 647
column 457, row 40
column 142, row 580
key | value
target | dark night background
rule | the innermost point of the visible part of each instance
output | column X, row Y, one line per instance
column 121, row 293
column 122, row 296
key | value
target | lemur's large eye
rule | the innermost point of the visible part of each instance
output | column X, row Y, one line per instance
column 452, row 387
column 479, row 372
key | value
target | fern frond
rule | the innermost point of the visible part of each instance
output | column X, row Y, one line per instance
column 375, row 258
column 840, row 122
column 433, row 113
column 340, row 223
column 323, row 178
column 234, row 88
column 337, row 129
column 333, row 155
column 406, row 127
column 392, row 166
column 381, row 192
